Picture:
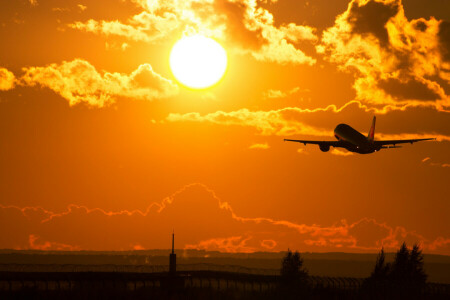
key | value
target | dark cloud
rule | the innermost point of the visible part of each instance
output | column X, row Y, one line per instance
column 439, row 9
column 235, row 15
column 444, row 39
column 318, row 13
column 409, row 89
column 371, row 18
column 421, row 25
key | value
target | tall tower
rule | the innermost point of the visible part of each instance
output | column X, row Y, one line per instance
column 173, row 257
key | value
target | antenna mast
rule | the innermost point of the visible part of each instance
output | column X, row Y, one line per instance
column 173, row 242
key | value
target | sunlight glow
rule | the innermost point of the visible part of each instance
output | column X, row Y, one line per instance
column 198, row 62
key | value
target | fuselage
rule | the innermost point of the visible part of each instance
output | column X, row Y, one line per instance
column 353, row 140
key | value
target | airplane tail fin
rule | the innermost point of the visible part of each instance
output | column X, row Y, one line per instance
column 371, row 134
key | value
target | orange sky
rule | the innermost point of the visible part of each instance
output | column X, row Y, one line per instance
column 102, row 149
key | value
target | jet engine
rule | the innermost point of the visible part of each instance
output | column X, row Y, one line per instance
column 324, row 148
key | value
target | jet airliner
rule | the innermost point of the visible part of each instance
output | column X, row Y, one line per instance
column 354, row 141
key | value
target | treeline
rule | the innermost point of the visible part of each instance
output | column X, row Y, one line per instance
column 404, row 278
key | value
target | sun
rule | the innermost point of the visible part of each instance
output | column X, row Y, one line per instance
column 197, row 61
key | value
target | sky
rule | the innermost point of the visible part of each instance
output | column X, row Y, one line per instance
column 102, row 148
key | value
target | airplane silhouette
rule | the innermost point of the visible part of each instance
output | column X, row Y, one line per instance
column 354, row 141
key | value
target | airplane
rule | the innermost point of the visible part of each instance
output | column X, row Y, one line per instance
column 354, row 141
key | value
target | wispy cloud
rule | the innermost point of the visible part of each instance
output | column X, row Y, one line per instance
column 285, row 121
column 273, row 94
column 260, row 146
column 428, row 161
column 82, row 7
column 274, row 122
column 302, row 151
column 231, row 244
column 36, row 244
column 217, row 227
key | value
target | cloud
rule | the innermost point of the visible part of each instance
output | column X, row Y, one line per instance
column 232, row 244
column 339, row 152
column 274, row 122
column 429, row 162
column 399, row 62
column 7, row 80
column 251, row 29
column 272, row 94
column 302, row 151
column 82, row 7
column 439, row 243
column 286, row 121
column 242, row 24
column 59, row 9
column 260, row 146
column 36, row 244
column 268, row 244
column 115, row 46
column 145, row 27
column 79, row 82
column 202, row 221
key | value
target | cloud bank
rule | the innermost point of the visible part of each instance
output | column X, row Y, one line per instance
column 202, row 221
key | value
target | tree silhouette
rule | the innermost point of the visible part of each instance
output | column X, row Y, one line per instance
column 292, row 267
column 404, row 277
column 407, row 268
column 418, row 275
column 401, row 268
column 294, row 278
column 381, row 270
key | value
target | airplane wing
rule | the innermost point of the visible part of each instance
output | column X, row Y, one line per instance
column 394, row 142
column 320, row 143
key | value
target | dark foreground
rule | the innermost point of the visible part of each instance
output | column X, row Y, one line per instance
column 198, row 285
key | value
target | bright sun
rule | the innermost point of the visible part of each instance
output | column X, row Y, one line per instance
column 197, row 61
